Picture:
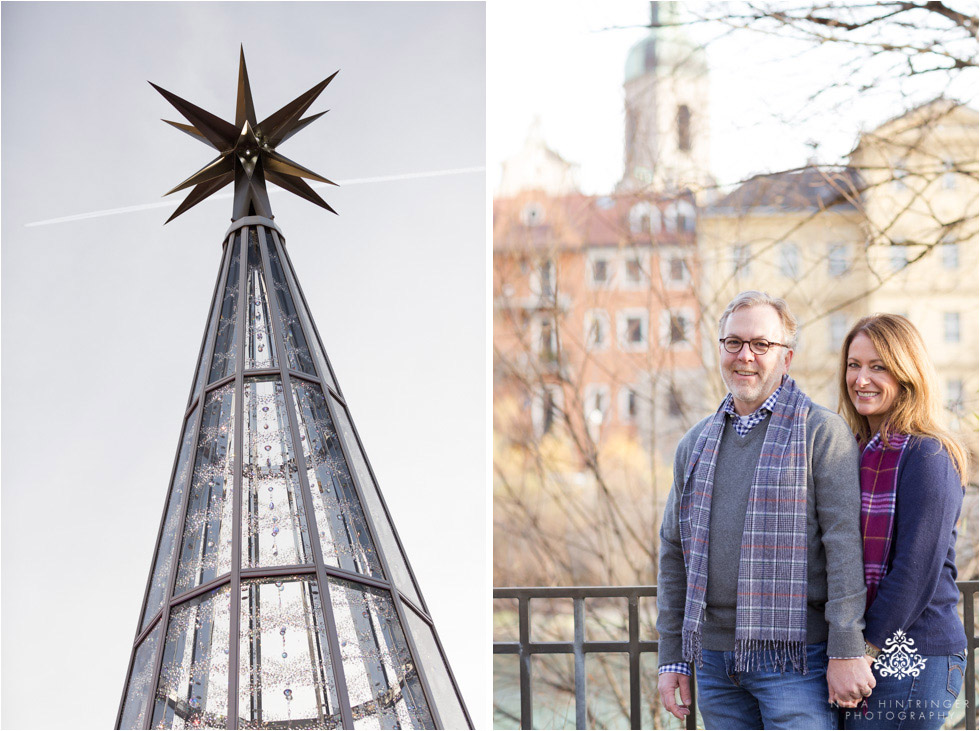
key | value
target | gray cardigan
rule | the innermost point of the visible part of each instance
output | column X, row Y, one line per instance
column 835, row 565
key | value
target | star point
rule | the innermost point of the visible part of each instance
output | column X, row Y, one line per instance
column 247, row 150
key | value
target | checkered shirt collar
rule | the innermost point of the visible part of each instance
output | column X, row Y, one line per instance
column 744, row 424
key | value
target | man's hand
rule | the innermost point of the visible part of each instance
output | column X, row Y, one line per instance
column 668, row 684
column 849, row 681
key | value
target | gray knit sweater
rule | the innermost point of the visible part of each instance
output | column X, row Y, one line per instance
column 834, row 557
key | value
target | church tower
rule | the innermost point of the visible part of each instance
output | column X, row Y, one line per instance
column 667, row 142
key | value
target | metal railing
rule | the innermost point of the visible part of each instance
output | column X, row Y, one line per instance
column 525, row 649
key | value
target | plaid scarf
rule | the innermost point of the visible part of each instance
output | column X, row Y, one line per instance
column 879, row 486
column 770, row 617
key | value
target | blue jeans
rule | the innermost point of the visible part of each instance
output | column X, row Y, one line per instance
column 766, row 698
column 920, row 702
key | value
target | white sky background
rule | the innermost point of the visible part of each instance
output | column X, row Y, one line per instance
column 102, row 318
column 563, row 61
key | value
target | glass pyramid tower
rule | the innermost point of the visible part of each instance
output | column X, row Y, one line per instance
column 279, row 595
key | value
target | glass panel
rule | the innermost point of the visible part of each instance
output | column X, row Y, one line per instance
column 289, row 325
column 285, row 676
column 273, row 519
column 165, row 551
column 259, row 345
column 226, row 343
column 304, row 315
column 382, row 680
column 344, row 538
column 202, row 367
column 436, row 673
column 138, row 687
column 206, row 544
column 193, row 689
column 372, row 502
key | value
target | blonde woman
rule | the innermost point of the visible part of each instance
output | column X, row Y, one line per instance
column 912, row 476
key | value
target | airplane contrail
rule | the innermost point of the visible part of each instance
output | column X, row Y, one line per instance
column 170, row 203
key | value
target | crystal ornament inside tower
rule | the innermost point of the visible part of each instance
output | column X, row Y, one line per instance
column 279, row 595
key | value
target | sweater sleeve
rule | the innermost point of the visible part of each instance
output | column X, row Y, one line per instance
column 672, row 574
column 927, row 506
column 835, row 463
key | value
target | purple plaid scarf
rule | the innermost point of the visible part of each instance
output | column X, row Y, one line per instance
column 879, row 486
column 770, row 616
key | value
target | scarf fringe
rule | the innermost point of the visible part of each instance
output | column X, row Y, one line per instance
column 756, row 654
column 691, row 646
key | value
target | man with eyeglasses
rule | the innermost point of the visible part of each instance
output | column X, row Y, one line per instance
column 761, row 582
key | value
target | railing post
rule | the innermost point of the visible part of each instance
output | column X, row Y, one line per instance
column 634, row 630
column 578, row 610
column 691, row 722
column 525, row 662
column 969, row 691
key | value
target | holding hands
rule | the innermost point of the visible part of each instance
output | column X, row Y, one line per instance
column 850, row 681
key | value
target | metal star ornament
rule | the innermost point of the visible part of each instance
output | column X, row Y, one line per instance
column 247, row 150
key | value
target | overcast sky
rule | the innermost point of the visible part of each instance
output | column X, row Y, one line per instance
column 102, row 317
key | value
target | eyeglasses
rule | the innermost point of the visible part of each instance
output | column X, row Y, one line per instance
column 757, row 346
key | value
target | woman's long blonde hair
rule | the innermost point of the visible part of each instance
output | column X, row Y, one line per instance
column 917, row 409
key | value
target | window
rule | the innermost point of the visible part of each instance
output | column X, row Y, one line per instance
column 629, row 404
column 837, row 260
column 596, row 329
column 595, row 403
column 599, row 270
column 547, row 274
column 644, row 218
column 951, row 255
column 532, row 214
column 686, row 216
column 548, row 340
column 951, row 327
column 546, row 409
column 676, row 328
column 789, row 260
column 543, row 279
column 954, row 395
column 673, row 269
column 684, row 128
column 899, row 256
column 680, row 216
column 633, row 329
column 838, row 330
column 635, row 271
column 741, row 260
column 949, row 175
